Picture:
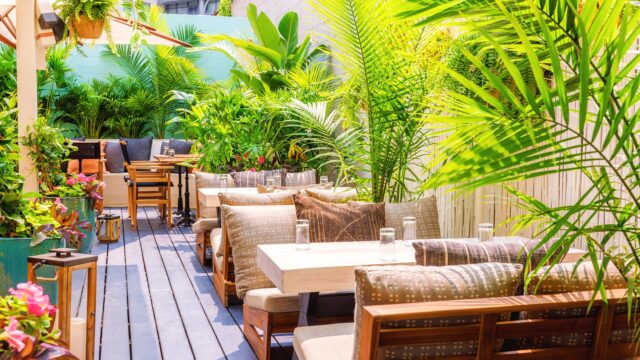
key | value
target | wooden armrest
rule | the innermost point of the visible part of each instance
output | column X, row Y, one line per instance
column 149, row 167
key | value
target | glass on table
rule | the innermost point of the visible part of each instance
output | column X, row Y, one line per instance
column 270, row 181
column 277, row 180
column 171, row 153
column 302, row 235
column 388, row 244
column 485, row 232
column 408, row 230
column 324, row 180
column 165, row 150
column 224, row 181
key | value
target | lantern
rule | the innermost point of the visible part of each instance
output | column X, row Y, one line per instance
column 108, row 228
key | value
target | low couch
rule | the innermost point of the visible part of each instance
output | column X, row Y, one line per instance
column 472, row 312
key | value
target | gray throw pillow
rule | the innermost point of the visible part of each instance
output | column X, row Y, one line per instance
column 114, row 158
column 180, row 146
column 139, row 149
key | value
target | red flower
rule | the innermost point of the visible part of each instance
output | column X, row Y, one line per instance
column 261, row 160
column 252, row 169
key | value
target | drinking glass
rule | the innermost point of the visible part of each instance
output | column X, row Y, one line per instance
column 277, row 180
column 408, row 230
column 388, row 244
column 485, row 232
column 223, row 181
column 171, row 153
column 270, row 181
column 165, row 150
column 324, row 180
column 302, row 235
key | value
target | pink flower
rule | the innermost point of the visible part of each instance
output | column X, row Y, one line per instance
column 252, row 169
column 261, row 160
column 63, row 209
column 72, row 181
column 37, row 302
column 13, row 336
column 26, row 290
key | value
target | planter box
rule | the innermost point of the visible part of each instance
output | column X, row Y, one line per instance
column 13, row 263
column 86, row 210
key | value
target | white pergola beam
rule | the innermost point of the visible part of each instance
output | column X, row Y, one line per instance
column 27, row 84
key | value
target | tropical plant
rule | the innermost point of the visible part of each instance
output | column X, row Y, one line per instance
column 159, row 70
column 263, row 64
column 388, row 66
column 48, row 149
column 581, row 119
column 71, row 11
column 26, row 319
column 224, row 8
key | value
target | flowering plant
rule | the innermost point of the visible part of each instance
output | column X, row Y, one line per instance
column 26, row 320
column 66, row 224
column 78, row 185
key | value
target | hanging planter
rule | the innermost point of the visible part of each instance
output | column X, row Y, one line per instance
column 86, row 28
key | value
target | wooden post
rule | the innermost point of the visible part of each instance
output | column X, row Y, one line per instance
column 27, row 84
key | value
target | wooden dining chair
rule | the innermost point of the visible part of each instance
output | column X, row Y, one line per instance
column 149, row 183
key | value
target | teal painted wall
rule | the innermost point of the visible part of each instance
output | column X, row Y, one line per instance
column 214, row 65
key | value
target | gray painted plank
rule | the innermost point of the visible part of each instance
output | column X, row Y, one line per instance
column 173, row 337
column 224, row 325
column 142, row 323
column 200, row 332
column 115, row 323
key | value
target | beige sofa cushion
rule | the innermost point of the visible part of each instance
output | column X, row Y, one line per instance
column 334, row 195
column 253, row 178
column 272, row 300
column 323, row 342
column 566, row 277
column 300, row 178
column 205, row 224
column 249, row 226
column 378, row 285
column 424, row 210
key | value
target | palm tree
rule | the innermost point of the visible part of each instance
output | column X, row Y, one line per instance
column 580, row 118
column 159, row 70
column 388, row 69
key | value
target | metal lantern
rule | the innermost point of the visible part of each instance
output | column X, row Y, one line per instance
column 108, row 228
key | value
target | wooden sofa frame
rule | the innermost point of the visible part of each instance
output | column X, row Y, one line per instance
column 374, row 336
column 223, row 276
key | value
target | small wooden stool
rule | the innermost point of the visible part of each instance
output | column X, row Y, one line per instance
column 67, row 262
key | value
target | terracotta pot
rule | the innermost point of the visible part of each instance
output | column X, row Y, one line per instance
column 87, row 28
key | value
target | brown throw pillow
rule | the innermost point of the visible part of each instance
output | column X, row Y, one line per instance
column 330, row 222
column 424, row 210
column 378, row 285
column 250, row 226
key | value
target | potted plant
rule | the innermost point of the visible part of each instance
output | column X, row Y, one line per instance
column 49, row 149
column 86, row 19
column 26, row 323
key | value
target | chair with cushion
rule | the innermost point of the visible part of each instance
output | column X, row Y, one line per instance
column 207, row 217
column 149, row 183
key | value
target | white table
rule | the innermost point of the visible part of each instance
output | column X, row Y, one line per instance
column 210, row 195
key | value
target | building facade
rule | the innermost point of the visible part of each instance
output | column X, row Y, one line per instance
column 192, row 7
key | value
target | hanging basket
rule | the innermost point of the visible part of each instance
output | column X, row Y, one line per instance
column 86, row 28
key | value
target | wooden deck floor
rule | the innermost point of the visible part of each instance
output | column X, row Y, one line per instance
column 155, row 301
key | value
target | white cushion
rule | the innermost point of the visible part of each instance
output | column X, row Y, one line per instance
column 271, row 300
column 203, row 225
column 334, row 341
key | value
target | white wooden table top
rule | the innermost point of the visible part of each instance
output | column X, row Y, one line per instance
column 330, row 266
column 210, row 195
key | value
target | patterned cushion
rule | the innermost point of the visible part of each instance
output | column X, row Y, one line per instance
column 339, row 222
column 377, row 285
column 206, row 180
column 564, row 278
column 249, row 200
column 424, row 210
column 300, row 178
column 248, row 227
column 253, row 178
column 335, row 195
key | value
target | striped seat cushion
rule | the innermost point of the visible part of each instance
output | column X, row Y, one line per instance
column 424, row 210
column 300, row 178
column 253, row 178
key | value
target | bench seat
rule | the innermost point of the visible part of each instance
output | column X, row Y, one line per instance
column 333, row 341
column 272, row 300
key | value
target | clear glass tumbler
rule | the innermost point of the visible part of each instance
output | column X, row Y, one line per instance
column 302, row 235
column 277, row 180
column 485, row 232
column 224, row 181
column 408, row 230
column 270, row 181
column 165, row 150
column 171, row 153
column 324, row 180
column 388, row 244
